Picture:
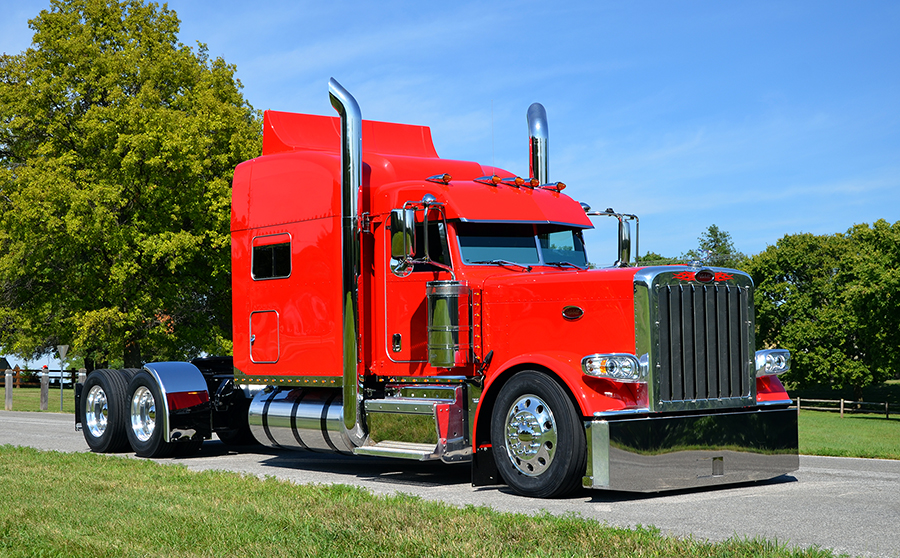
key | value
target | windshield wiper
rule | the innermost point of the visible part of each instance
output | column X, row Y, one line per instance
column 503, row 263
column 565, row 264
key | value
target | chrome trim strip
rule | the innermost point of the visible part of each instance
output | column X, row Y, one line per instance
column 621, row 413
column 518, row 222
column 401, row 406
column 288, row 381
column 771, row 403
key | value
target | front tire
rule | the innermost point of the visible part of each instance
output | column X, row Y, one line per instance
column 103, row 411
column 537, row 437
column 145, row 430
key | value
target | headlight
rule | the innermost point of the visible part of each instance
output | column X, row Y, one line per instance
column 618, row 367
column 772, row 362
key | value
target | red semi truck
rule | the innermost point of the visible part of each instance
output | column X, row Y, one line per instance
column 388, row 302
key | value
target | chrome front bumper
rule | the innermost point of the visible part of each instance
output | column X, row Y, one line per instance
column 652, row 454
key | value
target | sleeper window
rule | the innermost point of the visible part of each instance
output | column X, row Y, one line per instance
column 271, row 257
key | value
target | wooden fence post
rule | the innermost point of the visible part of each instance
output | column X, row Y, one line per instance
column 842, row 407
column 8, row 387
column 798, row 406
column 45, row 388
column 887, row 413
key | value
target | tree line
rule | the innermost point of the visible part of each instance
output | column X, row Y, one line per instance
column 832, row 300
column 117, row 147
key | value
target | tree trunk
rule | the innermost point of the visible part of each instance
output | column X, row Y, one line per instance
column 133, row 355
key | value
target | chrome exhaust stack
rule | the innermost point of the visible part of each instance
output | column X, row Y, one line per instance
column 351, row 182
column 321, row 419
column 538, row 138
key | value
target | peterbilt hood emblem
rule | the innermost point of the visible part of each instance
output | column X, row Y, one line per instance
column 703, row 276
column 572, row 313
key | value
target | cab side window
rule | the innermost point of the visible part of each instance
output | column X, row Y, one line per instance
column 271, row 257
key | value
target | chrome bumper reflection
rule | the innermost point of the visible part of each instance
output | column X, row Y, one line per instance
column 653, row 454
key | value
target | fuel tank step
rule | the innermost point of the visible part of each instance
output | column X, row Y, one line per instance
column 400, row 450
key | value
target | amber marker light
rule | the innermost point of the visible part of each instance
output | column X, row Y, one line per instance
column 557, row 186
column 440, row 178
column 489, row 180
column 515, row 182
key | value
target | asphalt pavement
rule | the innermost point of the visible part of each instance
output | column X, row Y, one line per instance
column 848, row 505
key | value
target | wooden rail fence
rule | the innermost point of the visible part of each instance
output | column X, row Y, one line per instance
column 844, row 405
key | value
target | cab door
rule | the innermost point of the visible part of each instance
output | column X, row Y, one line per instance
column 405, row 311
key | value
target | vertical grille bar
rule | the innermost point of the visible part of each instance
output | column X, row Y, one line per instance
column 703, row 335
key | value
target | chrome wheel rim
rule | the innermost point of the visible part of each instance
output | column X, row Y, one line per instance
column 96, row 411
column 143, row 414
column 530, row 435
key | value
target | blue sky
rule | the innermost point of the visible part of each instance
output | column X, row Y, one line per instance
column 764, row 118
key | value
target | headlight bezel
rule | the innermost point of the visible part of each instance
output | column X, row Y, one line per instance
column 618, row 367
column 772, row 362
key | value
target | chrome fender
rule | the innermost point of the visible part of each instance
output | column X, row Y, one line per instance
column 185, row 399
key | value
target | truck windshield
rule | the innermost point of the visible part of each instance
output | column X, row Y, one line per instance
column 522, row 244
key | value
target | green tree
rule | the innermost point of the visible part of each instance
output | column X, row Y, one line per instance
column 117, row 146
column 869, row 280
column 832, row 300
column 652, row 258
column 715, row 247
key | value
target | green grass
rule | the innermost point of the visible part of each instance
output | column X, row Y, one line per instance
column 81, row 504
column 29, row 399
column 854, row 435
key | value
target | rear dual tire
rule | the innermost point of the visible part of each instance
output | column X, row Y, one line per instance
column 119, row 412
column 103, row 411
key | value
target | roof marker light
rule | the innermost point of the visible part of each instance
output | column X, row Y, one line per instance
column 558, row 186
column 489, row 180
column 514, row 182
column 440, row 178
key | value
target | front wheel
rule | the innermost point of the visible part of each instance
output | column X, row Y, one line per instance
column 145, row 424
column 537, row 438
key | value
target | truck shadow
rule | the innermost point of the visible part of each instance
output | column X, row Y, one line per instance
column 426, row 473
column 376, row 469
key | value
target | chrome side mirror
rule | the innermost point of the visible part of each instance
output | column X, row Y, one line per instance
column 624, row 252
column 403, row 241
column 403, row 233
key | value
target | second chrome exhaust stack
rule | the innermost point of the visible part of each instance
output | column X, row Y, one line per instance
column 538, row 138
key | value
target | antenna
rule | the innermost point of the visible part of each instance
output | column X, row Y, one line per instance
column 493, row 163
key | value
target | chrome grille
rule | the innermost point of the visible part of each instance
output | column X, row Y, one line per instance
column 703, row 342
column 700, row 342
